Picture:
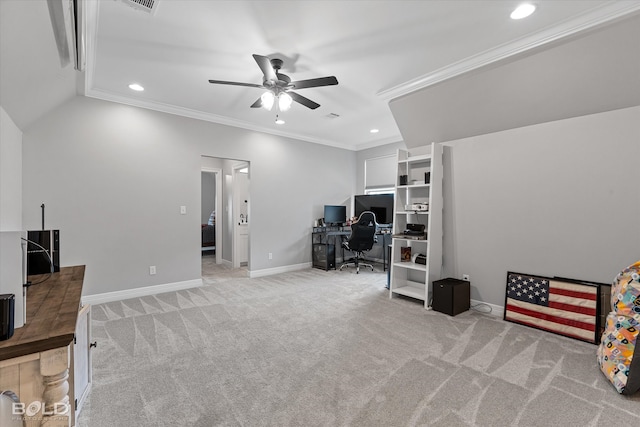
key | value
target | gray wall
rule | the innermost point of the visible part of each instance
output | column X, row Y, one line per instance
column 555, row 199
column 558, row 198
column 113, row 178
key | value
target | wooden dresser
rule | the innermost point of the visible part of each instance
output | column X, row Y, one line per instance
column 47, row 363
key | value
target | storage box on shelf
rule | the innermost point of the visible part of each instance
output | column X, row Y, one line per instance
column 418, row 202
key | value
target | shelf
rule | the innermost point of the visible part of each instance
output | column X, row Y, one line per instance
column 410, row 265
column 412, row 213
column 410, row 291
column 415, row 185
column 412, row 159
column 408, row 239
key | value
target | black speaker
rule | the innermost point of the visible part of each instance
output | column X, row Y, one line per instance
column 37, row 258
column 451, row 296
column 324, row 256
column 7, row 313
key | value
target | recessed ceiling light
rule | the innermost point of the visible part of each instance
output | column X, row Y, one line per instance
column 523, row 11
column 374, row 130
column 136, row 87
column 279, row 121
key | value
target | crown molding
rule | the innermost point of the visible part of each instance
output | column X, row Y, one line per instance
column 378, row 143
column 209, row 117
column 598, row 16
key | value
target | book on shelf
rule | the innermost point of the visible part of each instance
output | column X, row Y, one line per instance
column 405, row 253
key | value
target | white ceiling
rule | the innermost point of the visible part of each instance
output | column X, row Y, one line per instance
column 378, row 51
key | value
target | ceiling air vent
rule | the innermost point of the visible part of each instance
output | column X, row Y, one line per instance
column 149, row 6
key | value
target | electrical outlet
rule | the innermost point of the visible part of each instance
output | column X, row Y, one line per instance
column 466, row 277
column 270, row 255
column 152, row 269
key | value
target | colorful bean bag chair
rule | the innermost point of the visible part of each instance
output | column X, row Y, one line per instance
column 619, row 350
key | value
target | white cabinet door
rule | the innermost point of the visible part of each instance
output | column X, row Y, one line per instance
column 82, row 358
column 243, row 243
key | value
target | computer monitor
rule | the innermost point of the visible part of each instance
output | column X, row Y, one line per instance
column 335, row 215
column 380, row 204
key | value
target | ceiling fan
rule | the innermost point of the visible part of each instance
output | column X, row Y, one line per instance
column 280, row 87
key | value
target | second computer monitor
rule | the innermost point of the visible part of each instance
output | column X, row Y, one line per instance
column 380, row 204
column 335, row 215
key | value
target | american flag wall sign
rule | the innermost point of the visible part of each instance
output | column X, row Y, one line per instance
column 562, row 307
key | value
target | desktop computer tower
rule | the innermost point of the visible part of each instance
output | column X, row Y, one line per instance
column 38, row 261
column 7, row 313
column 324, row 256
column 451, row 296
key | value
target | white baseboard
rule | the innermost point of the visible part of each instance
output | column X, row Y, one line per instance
column 496, row 310
column 277, row 270
column 140, row 292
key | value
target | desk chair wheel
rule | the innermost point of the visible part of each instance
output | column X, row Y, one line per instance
column 356, row 262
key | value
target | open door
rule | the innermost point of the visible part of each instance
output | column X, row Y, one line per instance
column 241, row 227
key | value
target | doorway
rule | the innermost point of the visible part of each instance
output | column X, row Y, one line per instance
column 225, row 205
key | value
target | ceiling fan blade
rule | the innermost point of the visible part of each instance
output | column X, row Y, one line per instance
column 322, row 81
column 222, row 82
column 304, row 101
column 265, row 65
column 257, row 104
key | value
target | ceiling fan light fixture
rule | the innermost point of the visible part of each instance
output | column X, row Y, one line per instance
column 267, row 99
column 523, row 11
column 284, row 101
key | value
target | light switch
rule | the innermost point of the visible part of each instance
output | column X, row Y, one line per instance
column 183, row 210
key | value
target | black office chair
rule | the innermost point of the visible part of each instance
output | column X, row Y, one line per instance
column 362, row 238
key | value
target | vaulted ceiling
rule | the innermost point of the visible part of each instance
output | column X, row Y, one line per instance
column 438, row 63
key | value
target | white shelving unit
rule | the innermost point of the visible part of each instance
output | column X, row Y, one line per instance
column 423, row 185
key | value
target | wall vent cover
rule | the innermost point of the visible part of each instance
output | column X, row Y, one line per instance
column 149, row 6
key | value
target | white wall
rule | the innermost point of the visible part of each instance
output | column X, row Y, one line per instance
column 10, row 174
column 11, row 212
column 113, row 178
column 555, row 199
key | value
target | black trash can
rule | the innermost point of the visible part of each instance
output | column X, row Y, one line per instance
column 451, row 296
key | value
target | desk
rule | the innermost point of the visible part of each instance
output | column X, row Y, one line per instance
column 326, row 236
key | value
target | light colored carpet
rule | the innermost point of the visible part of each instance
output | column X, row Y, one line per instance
column 316, row 348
